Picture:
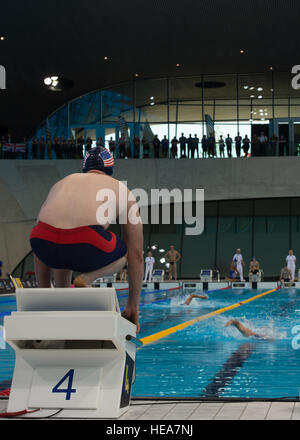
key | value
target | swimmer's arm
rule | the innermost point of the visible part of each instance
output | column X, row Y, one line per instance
column 132, row 235
column 194, row 295
column 178, row 256
column 167, row 256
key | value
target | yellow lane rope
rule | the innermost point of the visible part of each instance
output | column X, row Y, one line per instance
column 162, row 334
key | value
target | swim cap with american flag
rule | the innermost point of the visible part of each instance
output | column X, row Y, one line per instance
column 98, row 158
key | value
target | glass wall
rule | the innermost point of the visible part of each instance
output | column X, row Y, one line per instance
column 246, row 105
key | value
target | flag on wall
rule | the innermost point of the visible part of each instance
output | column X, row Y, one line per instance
column 210, row 126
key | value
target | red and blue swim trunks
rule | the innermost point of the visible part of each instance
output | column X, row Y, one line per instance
column 82, row 249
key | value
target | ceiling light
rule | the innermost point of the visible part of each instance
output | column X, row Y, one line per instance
column 54, row 83
column 162, row 260
column 242, row 51
column 177, row 65
column 251, row 88
column 152, row 103
column 259, row 89
column 151, row 97
column 2, row 38
column 106, row 58
column 252, row 96
column 259, row 97
column 48, row 81
column 246, row 87
column 136, row 75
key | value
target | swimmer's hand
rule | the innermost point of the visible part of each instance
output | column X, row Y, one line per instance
column 132, row 314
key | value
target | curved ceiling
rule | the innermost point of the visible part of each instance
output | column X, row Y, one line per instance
column 150, row 37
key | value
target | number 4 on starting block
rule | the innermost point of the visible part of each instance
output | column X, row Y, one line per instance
column 69, row 390
column 65, row 388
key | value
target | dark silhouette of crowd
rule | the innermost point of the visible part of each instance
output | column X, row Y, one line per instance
column 190, row 146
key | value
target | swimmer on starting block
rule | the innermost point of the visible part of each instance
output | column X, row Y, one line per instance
column 244, row 330
column 232, row 273
column 72, row 230
column 194, row 295
column 285, row 275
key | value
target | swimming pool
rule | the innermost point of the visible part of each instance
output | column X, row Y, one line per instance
column 207, row 359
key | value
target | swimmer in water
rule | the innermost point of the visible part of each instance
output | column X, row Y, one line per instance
column 194, row 295
column 244, row 330
column 72, row 231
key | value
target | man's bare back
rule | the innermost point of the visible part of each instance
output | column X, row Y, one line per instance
column 71, row 233
column 72, row 202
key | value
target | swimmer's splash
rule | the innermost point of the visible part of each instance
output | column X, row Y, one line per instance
column 159, row 200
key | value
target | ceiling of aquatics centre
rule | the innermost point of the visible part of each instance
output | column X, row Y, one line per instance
column 98, row 43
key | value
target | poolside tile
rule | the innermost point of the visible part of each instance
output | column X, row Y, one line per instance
column 231, row 411
column 280, row 411
column 157, row 411
column 296, row 412
column 255, row 411
column 182, row 411
column 206, row 411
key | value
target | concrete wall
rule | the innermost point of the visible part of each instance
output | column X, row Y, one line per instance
column 24, row 186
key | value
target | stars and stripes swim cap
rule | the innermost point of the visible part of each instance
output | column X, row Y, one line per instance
column 98, row 158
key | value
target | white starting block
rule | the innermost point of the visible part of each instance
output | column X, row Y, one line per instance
column 74, row 351
column 255, row 278
column 158, row 275
column 206, row 275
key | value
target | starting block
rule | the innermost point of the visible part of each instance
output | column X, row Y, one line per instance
column 74, row 353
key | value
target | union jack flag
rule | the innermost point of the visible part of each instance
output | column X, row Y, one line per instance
column 107, row 158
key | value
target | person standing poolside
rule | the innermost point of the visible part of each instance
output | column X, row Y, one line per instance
column 238, row 142
column 172, row 257
column 72, row 231
column 262, row 141
column 204, row 143
column 246, row 145
column 165, row 146
column 149, row 260
column 228, row 142
column 222, row 146
column 182, row 142
column 291, row 263
column 189, row 142
column 239, row 263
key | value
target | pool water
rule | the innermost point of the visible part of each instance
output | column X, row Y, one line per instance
column 207, row 359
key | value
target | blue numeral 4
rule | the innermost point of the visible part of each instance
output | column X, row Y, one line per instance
column 69, row 390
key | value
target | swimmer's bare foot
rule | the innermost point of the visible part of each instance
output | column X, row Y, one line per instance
column 79, row 282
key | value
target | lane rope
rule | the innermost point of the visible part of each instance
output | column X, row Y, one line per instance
column 164, row 333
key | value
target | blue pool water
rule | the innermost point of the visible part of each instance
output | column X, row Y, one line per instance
column 208, row 359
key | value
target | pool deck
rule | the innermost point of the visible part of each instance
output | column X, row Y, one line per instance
column 175, row 410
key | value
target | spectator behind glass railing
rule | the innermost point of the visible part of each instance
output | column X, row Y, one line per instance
column 165, row 146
